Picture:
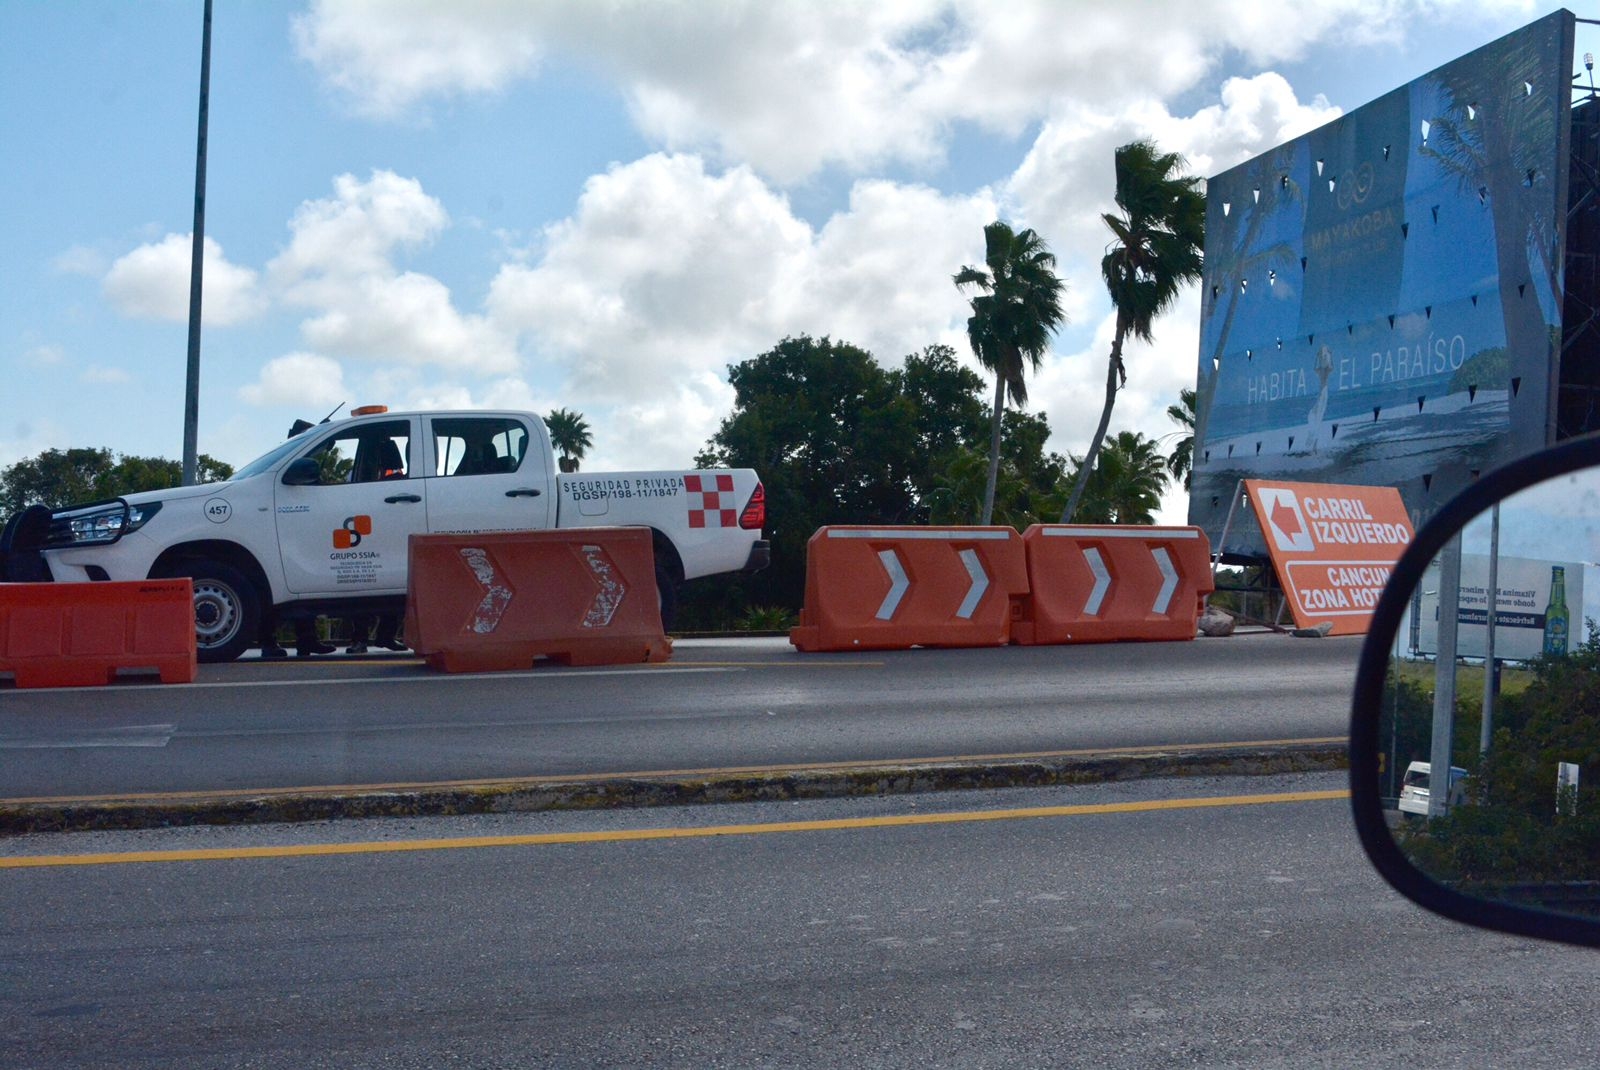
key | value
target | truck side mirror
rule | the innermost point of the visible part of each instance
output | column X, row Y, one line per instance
column 304, row 472
column 1475, row 727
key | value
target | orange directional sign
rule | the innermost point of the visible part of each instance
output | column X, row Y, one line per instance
column 1332, row 547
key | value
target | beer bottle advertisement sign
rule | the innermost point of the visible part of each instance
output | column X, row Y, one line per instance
column 1533, row 614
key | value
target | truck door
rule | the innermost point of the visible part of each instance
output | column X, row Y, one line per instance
column 490, row 473
column 348, row 534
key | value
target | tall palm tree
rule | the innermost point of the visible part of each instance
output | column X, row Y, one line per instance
column 1157, row 246
column 569, row 434
column 1180, row 462
column 1013, row 314
column 1126, row 485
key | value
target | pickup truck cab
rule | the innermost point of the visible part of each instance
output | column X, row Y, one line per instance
column 320, row 523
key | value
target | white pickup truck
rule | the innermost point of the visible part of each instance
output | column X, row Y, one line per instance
column 320, row 524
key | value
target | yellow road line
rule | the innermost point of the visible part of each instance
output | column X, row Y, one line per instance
column 660, row 774
column 634, row 835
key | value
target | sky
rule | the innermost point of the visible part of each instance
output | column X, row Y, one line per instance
column 600, row 206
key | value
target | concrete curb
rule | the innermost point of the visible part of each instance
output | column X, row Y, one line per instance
column 602, row 792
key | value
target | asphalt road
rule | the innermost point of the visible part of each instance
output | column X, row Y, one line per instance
column 1247, row 934
column 716, row 704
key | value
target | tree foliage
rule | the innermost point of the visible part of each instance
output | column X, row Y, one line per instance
column 1513, row 831
column 58, row 478
column 839, row 439
column 1158, row 239
column 1126, row 486
column 1016, row 309
column 571, row 437
column 1180, row 462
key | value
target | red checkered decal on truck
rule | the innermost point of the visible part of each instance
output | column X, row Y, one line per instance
column 711, row 506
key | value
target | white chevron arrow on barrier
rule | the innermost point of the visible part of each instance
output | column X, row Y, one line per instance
column 1169, row 579
column 1102, row 581
column 898, row 583
column 980, row 584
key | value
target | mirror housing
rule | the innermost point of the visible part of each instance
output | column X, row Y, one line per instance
column 1366, row 744
column 303, row 472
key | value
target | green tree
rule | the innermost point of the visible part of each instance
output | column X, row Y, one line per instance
column 59, row 478
column 1157, row 246
column 569, row 434
column 1126, row 486
column 1017, row 307
column 834, row 441
column 1180, row 462
column 948, row 415
column 839, row 439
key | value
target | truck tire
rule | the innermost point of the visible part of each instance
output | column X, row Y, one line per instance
column 666, row 597
column 226, row 607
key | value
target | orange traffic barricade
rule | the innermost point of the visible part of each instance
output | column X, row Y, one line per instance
column 1105, row 583
column 84, row 634
column 580, row 596
column 891, row 588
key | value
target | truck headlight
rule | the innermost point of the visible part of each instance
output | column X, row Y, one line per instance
column 108, row 524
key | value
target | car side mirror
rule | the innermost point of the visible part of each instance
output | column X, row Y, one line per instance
column 1504, row 694
column 304, row 472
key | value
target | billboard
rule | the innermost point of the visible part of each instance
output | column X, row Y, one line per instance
column 1382, row 297
column 1526, row 608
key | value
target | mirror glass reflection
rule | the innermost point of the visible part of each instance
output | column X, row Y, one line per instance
column 1506, row 696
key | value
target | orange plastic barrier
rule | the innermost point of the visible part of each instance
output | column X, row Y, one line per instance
column 83, row 634
column 581, row 596
column 891, row 588
column 1105, row 583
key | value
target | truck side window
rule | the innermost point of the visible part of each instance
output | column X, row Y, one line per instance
column 365, row 454
column 478, row 445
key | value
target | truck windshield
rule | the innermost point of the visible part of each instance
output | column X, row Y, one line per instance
column 267, row 460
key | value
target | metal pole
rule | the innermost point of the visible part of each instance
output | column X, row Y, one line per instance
column 1444, row 679
column 1488, row 635
column 191, row 396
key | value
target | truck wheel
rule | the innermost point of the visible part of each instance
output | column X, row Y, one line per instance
column 226, row 607
column 666, row 597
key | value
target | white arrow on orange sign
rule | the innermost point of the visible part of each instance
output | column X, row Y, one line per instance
column 497, row 592
column 611, row 590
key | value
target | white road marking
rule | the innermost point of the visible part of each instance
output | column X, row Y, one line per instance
column 138, row 735
column 438, row 678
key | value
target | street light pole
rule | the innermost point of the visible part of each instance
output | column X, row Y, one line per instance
column 191, row 396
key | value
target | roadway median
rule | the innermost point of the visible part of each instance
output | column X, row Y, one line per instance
column 675, row 787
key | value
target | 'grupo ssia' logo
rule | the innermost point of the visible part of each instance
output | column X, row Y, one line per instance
column 349, row 536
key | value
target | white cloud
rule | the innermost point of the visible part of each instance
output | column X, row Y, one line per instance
column 296, row 379
column 45, row 356
column 101, row 375
column 81, row 260
column 152, row 282
column 386, row 56
column 667, row 273
column 340, row 264
column 792, row 86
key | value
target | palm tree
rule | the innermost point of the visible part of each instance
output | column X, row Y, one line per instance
column 1125, row 487
column 569, row 434
column 1157, row 246
column 1013, row 314
column 1180, row 462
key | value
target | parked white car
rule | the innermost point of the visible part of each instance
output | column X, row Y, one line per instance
column 1416, row 788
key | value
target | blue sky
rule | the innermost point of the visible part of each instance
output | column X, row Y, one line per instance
column 600, row 206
